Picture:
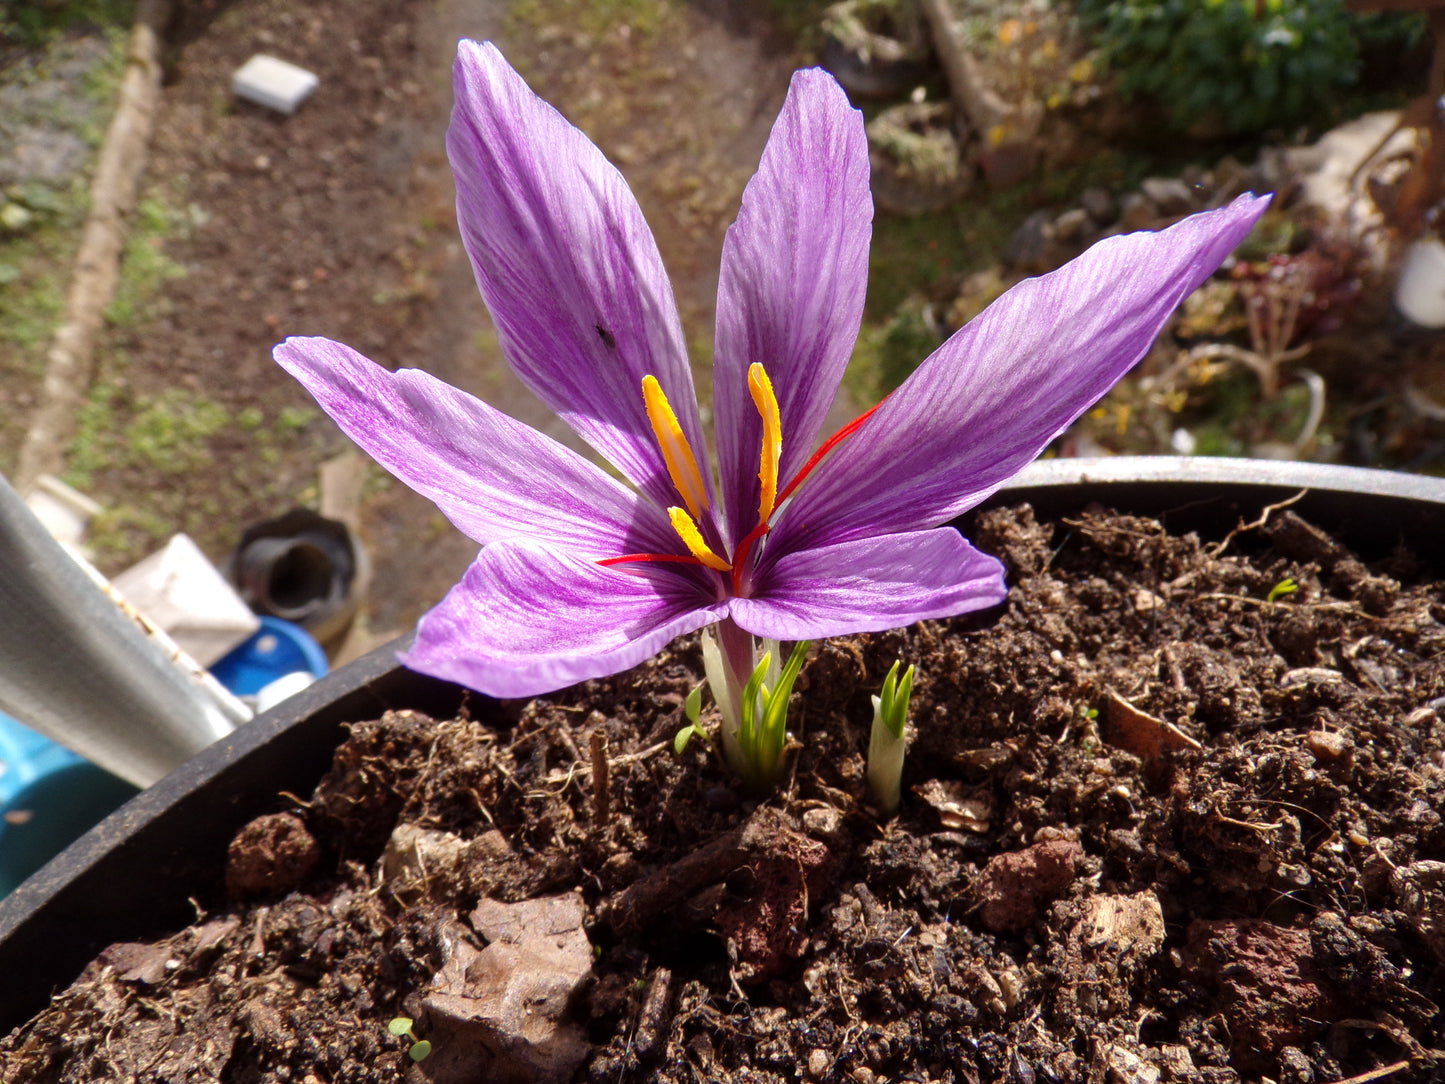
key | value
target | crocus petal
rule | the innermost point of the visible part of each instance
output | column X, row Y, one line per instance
column 567, row 266
column 526, row 620
column 871, row 584
column 992, row 397
column 491, row 475
column 794, row 272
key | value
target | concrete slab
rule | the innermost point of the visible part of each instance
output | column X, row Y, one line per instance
column 274, row 83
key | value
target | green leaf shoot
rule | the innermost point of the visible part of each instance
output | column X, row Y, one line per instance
column 763, row 731
column 1285, row 586
column 889, row 739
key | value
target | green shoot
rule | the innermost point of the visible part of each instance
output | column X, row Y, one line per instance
column 692, row 708
column 1285, row 586
column 889, row 739
column 763, row 726
column 401, row 1026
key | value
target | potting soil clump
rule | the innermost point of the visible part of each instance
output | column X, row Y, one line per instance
column 1172, row 814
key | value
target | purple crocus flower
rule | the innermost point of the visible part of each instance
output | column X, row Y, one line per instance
column 580, row 574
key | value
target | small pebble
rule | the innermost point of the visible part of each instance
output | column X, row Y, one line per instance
column 818, row 1063
column 1326, row 746
column 822, row 821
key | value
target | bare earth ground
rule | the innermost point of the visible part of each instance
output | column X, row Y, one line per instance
column 1158, row 826
column 338, row 221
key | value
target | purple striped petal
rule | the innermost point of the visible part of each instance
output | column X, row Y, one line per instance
column 568, row 268
column 991, row 398
column 491, row 475
column 871, row 584
column 526, row 620
column 794, row 271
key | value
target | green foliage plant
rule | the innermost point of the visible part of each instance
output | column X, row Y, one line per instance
column 31, row 24
column 1234, row 66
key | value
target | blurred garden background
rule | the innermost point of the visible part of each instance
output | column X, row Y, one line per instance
column 1007, row 136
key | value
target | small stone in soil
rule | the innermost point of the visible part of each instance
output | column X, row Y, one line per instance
column 501, row 1011
column 1015, row 887
column 270, row 856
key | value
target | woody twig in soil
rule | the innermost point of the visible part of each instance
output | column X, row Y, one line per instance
column 601, row 783
column 1269, row 509
column 631, row 909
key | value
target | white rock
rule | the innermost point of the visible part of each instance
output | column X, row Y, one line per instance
column 1420, row 291
column 1182, row 442
column 273, row 83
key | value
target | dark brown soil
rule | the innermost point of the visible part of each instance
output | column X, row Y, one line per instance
column 1158, row 826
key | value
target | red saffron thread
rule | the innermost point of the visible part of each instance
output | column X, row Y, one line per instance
column 746, row 545
column 828, row 445
column 677, row 558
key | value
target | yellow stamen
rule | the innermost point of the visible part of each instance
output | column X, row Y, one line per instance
column 767, row 404
column 676, row 452
column 692, row 538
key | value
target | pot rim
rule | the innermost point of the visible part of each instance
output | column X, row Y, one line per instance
column 1221, row 470
column 58, row 919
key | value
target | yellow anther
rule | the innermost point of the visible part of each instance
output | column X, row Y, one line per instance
column 676, row 452
column 767, row 404
column 692, row 538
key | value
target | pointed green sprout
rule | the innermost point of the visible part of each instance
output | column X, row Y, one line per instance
column 1285, row 586
column 764, row 730
column 754, row 717
column 692, row 708
column 889, row 740
column 401, row 1026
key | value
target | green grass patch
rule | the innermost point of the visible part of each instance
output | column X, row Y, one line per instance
column 929, row 254
column 34, row 24
column 593, row 17
column 145, row 267
column 92, row 447
column 171, row 433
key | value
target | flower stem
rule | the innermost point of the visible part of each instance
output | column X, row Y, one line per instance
column 729, row 663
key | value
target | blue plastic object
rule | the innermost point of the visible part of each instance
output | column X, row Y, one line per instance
column 278, row 648
column 50, row 796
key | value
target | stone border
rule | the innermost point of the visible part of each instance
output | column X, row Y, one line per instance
column 68, row 363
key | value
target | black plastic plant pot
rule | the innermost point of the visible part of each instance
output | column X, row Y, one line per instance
column 134, row 876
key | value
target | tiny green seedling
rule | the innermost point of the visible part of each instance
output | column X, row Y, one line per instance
column 401, row 1026
column 889, row 739
column 692, row 708
column 1285, row 586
